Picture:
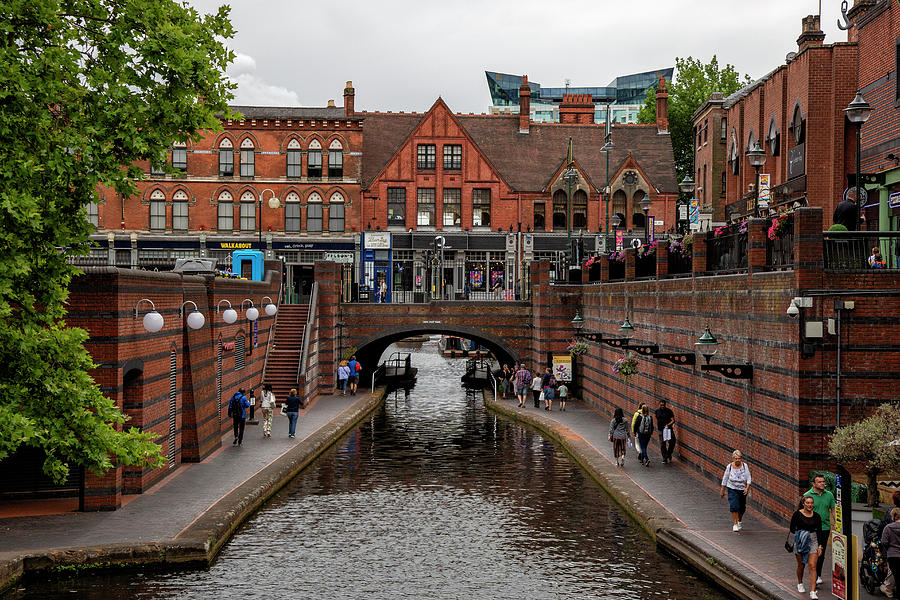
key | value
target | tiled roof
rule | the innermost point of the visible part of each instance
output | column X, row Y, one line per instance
column 528, row 161
column 293, row 112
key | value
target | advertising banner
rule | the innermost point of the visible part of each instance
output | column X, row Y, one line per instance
column 765, row 192
column 620, row 239
column 839, row 565
column 562, row 367
column 694, row 211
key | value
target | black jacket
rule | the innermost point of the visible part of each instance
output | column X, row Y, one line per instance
column 847, row 214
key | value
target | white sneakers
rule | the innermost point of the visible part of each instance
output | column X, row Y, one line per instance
column 800, row 588
column 735, row 527
column 740, row 525
column 813, row 595
column 818, row 581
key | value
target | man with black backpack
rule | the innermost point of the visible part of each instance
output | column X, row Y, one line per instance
column 237, row 410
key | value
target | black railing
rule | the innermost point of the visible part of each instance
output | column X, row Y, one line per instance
column 645, row 266
column 780, row 252
column 678, row 263
column 855, row 250
column 616, row 270
column 727, row 252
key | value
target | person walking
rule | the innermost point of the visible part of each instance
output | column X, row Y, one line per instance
column 805, row 525
column 847, row 214
column 887, row 588
column 635, row 416
column 353, row 378
column 618, row 433
column 505, row 376
column 292, row 406
column 343, row 376
column 523, row 378
column 737, row 481
column 563, row 393
column 643, row 429
column 549, row 383
column 890, row 542
column 237, row 410
column 267, row 405
column 536, row 388
column 824, row 505
column 665, row 423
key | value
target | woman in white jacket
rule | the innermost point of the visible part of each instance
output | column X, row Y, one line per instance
column 267, row 404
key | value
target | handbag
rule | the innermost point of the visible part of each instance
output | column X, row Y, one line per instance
column 282, row 409
column 541, row 398
column 789, row 543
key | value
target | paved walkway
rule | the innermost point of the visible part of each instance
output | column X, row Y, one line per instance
column 172, row 505
column 757, row 550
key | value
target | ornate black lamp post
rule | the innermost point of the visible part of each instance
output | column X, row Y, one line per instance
column 858, row 111
column 757, row 157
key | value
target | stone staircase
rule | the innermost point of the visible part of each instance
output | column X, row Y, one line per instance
column 284, row 357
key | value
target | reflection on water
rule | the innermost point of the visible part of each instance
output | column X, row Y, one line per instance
column 432, row 497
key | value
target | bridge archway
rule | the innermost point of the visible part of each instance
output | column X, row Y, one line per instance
column 370, row 348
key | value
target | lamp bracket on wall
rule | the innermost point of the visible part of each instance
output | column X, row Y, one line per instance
column 741, row 371
column 616, row 342
column 645, row 349
column 679, row 358
column 591, row 336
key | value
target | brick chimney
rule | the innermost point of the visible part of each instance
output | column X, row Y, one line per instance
column 577, row 108
column 524, row 105
column 812, row 35
column 349, row 93
column 662, row 106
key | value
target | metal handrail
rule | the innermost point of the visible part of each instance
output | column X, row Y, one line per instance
column 310, row 318
column 381, row 370
column 271, row 342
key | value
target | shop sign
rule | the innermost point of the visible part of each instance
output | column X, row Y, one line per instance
column 339, row 257
column 377, row 240
column 313, row 245
column 235, row 245
column 562, row 367
column 894, row 200
column 796, row 161
column 228, row 347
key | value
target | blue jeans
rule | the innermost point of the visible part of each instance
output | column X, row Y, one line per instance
column 643, row 440
column 292, row 422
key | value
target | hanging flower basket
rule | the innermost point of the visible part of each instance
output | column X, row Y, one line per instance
column 648, row 250
column 617, row 256
column 781, row 226
column 626, row 366
column 592, row 261
column 577, row 348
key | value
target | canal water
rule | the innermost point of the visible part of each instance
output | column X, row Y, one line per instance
column 432, row 497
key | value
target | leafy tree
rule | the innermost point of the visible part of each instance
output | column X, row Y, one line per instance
column 691, row 87
column 87, row 87
column 870, row 442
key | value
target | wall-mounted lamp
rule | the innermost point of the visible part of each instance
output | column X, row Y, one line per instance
column 230, row 315
column 251, row 313
column 153, row 321
column 270, row 309
column 578, row 326
column 627, row 332
column 195, row 319
column 708, row 345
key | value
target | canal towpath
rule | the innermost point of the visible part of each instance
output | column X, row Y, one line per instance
column 680, row 509
column 192, row 512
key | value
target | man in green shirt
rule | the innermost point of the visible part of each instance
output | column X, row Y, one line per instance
column 824, row 506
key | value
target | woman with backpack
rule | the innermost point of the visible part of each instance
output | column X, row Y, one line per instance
column 643, row 430
column 618, row 433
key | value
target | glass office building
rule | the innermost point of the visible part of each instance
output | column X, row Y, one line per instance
column 625, row 95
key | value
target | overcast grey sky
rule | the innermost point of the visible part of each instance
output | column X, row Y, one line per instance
column 403, row 54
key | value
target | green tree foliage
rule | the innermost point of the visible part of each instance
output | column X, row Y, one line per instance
column 868, row 442
column 87, row 87
column 691, row 87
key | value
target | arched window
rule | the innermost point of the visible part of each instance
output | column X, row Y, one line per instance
column 637, row 218
column 560, row 208
column 157, row 210
column 579, row 210
column 336, row 213
column 619, row 205
column 225, row 212
column 314, row 212
column 179, row 156
column 335, row 159
column 798, row 125
column 226, row 158
column 248, row 211
column 294, row 158
column 292, row 212
column 540, row 217
column 734, row 155
column 248, row 158
column 180, row 211
column 314, row 160
column 773, row 138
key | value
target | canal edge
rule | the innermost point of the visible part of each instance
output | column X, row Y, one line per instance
column 201, row 541
column 669, row 533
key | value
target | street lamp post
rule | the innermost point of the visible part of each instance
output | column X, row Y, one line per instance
column 646, row 203
column 757, row 157
column 570, row 176
column 607, row 146
column 687, row 188
column 274, row 203
column 858, row 112
column 615, row 224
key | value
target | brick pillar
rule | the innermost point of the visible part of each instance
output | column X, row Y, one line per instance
column 699, row 260
column 630, row 256
column 604, row 269
column 328, row 276
column 809, row 259
column 540, row 291
column 585, row 274
column 662, row 258
column 757, row 233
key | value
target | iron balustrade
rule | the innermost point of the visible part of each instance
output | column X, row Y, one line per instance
column 727, row 252
column 780, row 252
column 679, row 264
column 851, row 250
column 645, row 265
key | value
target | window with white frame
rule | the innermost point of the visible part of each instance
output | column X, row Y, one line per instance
column 335, row 159
column 292, row 212
column 452, row 207
column 225, row 212
column 314, row 160
column 226, row 158
column 294, row 159
column 314, row 212
column 179, row 156
column 248, row 211
column 481, row 208
column 93, row 213
column 452, row 157
column 157, row 210
column 396, row 206
column 180, row 211
column 248, row 158
column 336, row 213
column 425, row 207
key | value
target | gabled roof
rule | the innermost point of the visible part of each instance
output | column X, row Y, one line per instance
column 526, row 162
